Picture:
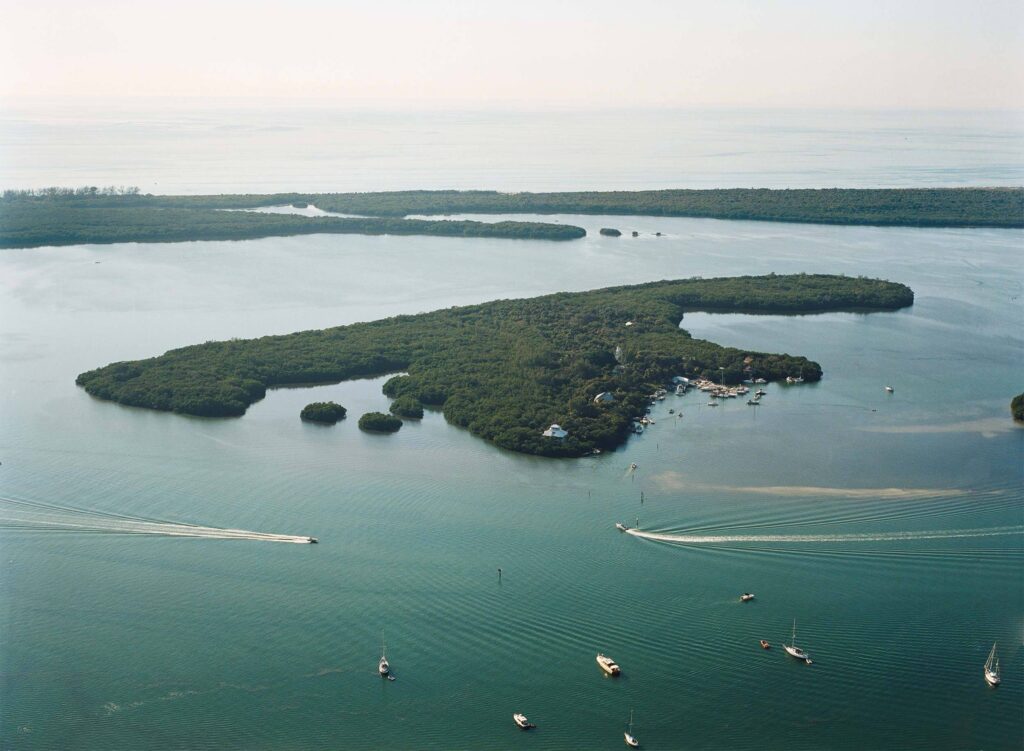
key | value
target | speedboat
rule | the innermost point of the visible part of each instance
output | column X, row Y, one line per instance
column 621, row 527
column 765, row 644
column 746, row 597
column 890, row 389
column 608, row 665
column 521, row 722
column 633, row 465
column 312, row 540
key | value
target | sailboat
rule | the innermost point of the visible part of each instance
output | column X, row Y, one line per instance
column 630, row 740
column 992, row 668
column 383, row 667
column 794, row 650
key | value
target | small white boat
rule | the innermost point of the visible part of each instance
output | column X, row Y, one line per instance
column 890, row 389
column 608, row 665
column 621, row 527
column 383, row 667
column 633, row 466
column 628, row 735
column 753, row 402
column 521, row 722
column 760, row 380
column 795, row 651
column 992, row 668
column 712, row 404
column 746, row 597
column 760, row 392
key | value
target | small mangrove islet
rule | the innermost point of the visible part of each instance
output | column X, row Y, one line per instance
column 407, row 406
column 324, row 412
column 506, row 370
column 1017, row 407
column 378, row 422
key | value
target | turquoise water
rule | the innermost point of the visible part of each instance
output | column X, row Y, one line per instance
column 128, row 642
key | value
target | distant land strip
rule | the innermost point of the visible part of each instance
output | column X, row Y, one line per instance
column 506, row 370
column 64, row 216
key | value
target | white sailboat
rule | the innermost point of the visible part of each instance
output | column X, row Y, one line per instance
column 383, row 667
column 794, row 650
column 992, row 668
column 630, row 739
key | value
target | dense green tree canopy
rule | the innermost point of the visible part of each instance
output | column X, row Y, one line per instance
column 1017, row 407
column 407, row 406
column 507, row 369
column 378, row 422
column 326, row 412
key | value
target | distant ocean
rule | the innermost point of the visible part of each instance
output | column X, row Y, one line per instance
column 173, row 148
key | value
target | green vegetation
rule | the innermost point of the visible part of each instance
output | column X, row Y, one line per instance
column 611, row 232
column 505, row 370
column 57, row 216
column 1017, row 407
column 407, row 406
column 325, row 412
column 913, row 207
column 378, row 422
column 27, row 223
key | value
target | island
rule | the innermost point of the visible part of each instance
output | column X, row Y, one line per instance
column 507, row 370
column 378, row 422
column 407, row 406
column 63, row 216
column 323, row 412
column 1017, row 407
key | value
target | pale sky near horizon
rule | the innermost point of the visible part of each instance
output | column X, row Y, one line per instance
column 399, row 53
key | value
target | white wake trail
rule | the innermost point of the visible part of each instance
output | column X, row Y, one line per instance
column 684, row 539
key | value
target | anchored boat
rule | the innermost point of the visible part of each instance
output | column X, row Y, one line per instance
column 630, row 738
column 794, row 650
column 992, row 668
column 608, row 665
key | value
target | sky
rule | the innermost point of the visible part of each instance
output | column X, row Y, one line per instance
column 521, row 54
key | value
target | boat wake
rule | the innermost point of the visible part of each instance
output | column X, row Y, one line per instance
column 38, row 516
column 949, row 534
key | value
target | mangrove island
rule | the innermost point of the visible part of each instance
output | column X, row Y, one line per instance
column 323, row 412
column 506, row 370
column 378, row 422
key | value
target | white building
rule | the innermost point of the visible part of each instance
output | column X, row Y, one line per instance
column 555, row 431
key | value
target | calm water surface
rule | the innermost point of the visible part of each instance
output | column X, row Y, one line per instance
column 122, row 642
column 197, row 149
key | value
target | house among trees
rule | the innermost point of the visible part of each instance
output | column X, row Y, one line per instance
column 555, row 431
column 604, row 398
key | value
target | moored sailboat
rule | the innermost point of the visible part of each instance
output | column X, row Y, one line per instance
column 383, row 667
column 794, row 650
column 992, row 676
column 628, row 735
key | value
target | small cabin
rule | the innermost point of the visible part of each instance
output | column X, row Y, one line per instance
column 604, row 397
column 555, row 431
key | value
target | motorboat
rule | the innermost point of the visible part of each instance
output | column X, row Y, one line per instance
column 992, row 677
column 312, row 540
column 760, row 392
column 521, row 722
column 765, row 644
column 628, row 735
column 795, row 651
column 632, row 466
column 753, row 402
column 608, row 665
column 760, row 380
column 746, row 597
column 712, row 404
column 621, row 527
column 890, row 389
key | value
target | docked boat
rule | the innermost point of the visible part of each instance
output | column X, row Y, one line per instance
column 628, row 735
column 992, row 677
column 712, row 404
column 760, row 392
column 521, row 722
column 383, row 667
column 746, row 597
column 760, row 380
column 608, row 665
column 753, row 402
column 765, row 644
column 795, row 651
